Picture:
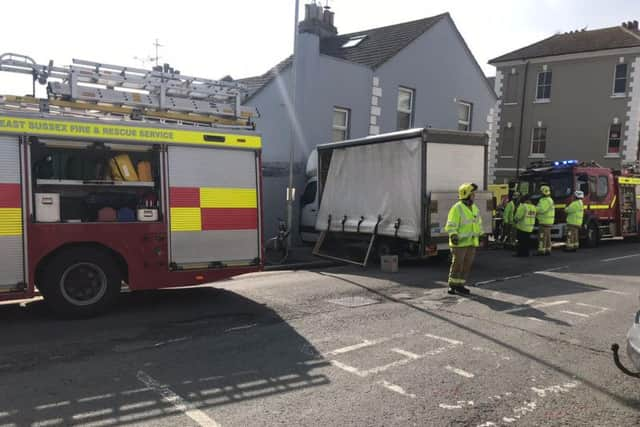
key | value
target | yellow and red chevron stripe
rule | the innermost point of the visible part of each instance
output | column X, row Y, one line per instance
column 10, row 210
column 211, row 208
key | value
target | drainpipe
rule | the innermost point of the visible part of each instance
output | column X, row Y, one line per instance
column 524, row 99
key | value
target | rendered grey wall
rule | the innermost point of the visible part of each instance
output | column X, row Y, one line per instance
column 439, row 68
column 577, row 118
column 322, row 84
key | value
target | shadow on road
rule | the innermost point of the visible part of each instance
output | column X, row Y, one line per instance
column 629, row 401
column 208, row 346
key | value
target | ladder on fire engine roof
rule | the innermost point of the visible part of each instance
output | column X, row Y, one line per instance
column 161, row 93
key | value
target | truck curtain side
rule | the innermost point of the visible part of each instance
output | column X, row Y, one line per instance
column 384, row 188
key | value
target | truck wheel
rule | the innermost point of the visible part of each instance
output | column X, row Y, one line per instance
column 81, row 282
column 592, row 235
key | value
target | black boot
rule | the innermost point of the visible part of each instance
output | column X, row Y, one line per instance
column 462, row 290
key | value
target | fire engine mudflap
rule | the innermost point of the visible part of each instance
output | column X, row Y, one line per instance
column 89, row 205
column 391, row 194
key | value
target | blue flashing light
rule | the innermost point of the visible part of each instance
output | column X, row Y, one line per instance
column 565, row 163
column 556, row 163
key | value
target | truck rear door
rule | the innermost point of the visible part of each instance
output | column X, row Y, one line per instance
column 214, row 207
column 11, row 216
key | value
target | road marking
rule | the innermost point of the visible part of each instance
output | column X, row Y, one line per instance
column 536, row 319
column 458, row 405
column 240, row 328
column 367, row 343
column 620, row 258
column 406, row 353
column 609, row 291
column 573, row 313
column 176, row 401
column 602, row 309
column 537, row 306
column 396, row 388
column 551, row 270
column 459, row 372
column 52, row 405
column 348, row 368
column 555, row 389
column 447, row 340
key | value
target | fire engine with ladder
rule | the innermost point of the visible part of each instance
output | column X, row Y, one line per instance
column 612, row 197
column 124, row 178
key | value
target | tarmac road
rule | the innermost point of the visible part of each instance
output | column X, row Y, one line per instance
column 340, row 346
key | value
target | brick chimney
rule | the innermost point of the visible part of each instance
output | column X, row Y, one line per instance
column 318, row 21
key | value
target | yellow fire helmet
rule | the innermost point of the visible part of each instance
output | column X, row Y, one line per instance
column 545, row 190
column 466, row 189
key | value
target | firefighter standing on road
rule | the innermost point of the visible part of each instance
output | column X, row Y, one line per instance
column 464, row 226
column 525, row 220
column 509, row 230
column 575, row 214
column 546, row 213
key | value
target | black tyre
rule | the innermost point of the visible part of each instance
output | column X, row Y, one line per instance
column 275, row 251
column 80, row 282
column 592, row 235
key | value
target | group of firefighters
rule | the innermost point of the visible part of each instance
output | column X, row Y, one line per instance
column 464, row 226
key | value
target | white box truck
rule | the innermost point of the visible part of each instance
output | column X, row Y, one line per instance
column 391, row 193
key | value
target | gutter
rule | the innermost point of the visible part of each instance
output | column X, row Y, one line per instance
column 524, row 96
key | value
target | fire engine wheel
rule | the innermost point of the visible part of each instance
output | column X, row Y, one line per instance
column 81, row 282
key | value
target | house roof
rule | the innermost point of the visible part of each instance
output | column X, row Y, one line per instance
column 378, row 46
column 576, row 42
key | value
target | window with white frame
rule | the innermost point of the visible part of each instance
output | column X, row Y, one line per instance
column 613, row 143
column 464, row 115
column 539, row 141
column 405, row 108
column 543, row 89
column 620, row 80
column 340, row 124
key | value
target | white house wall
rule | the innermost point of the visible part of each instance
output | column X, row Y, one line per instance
column 440, row 69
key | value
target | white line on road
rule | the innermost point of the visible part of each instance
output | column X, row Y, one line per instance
column 535, row 318
column 551, row 270
column 396, row 388
column 176, row 401
column 620, row 258
column 459, row 372
column 447, row 340
column 367, row 343
column 537, row 306
column 573, row 313
column 406, row 353
column 602, row 309
column 348, row 368
column 609, row 291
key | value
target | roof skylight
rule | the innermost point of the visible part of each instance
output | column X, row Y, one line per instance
column 353, row 41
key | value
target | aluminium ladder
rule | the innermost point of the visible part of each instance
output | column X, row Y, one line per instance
column 158, row 93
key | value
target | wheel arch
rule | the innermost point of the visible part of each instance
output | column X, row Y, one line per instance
column 122, row 264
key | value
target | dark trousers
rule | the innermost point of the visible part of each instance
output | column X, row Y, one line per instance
column 524, row 243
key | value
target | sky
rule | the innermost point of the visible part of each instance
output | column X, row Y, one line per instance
column 244, row 38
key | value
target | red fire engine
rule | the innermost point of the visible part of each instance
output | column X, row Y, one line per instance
column 124, row 177
column 612, row 198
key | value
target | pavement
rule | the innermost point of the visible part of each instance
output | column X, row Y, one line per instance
column 340, row 346
column 301, row 257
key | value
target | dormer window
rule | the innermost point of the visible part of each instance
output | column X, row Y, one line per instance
column 353, row 41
